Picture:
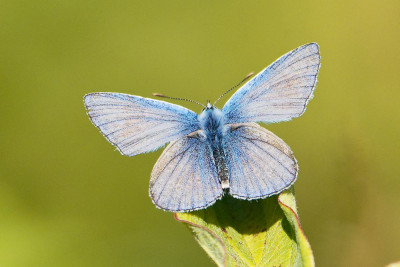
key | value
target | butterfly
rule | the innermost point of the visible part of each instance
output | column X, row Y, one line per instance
column 219, row 151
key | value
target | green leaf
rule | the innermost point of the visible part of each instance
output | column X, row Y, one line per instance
column 237, row 232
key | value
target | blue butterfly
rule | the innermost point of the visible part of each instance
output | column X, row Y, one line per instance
column 217, row 151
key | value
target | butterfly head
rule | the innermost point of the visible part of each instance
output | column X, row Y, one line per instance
column 208, row 106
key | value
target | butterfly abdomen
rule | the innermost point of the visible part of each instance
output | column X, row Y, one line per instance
column 220, row 162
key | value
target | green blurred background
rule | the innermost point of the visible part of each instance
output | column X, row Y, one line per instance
column 67, row 198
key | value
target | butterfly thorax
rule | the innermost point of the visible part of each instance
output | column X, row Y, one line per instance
column 212, row 123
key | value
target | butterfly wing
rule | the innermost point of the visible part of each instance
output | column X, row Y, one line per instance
column 185, row 177
column 278, row 93
column 260, row 164
column 135, row 124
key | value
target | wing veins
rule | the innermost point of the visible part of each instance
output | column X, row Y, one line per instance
column 136, row 120
column 272, row 156
column 276, row 174
column 263, row 168
column 274, row 85
column 137, row 110
column 277, row 77
column 176, row 165
column 251, row 169
column 177, row 182
column 238, row 166
column 134, row 141
column 252, row 141
column 284, row 57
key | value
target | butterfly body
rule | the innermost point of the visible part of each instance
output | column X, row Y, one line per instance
column 212, row 125
column 218, row 151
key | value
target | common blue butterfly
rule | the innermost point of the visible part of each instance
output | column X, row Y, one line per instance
column 217, row 151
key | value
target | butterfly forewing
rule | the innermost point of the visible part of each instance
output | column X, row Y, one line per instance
column 278, row 93
column 260, row 164
column 185, row 177
column 135, row 124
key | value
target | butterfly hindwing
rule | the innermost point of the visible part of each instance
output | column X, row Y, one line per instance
column 185, row 177
column 278, row 93
column 135, row 124
column 260, row 164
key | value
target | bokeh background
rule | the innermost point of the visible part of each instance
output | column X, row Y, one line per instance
column 67, row 198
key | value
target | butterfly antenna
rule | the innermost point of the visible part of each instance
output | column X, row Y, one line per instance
column 242, row 81
column 177, row 98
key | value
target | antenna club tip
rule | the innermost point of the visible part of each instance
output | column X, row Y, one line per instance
column 250, row 74
column 157, row 94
